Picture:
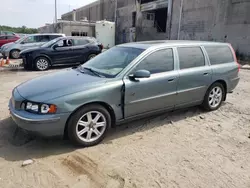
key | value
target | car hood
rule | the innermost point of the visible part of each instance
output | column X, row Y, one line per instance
column 51, row 86
column 5, row 46
column 30, row 50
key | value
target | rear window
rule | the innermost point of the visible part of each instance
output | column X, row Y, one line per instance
column 191, row 57
column 219, row 54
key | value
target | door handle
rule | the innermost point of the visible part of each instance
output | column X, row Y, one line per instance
column 171, row 80
column 205, row 74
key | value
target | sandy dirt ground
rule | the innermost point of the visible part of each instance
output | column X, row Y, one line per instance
column 188, row 148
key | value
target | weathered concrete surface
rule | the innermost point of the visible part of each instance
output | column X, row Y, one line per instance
column 215, row 20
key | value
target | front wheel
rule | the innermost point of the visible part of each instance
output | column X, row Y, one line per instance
column 15, row 54
column 214, row 97
column 42, row 63
column 89, row 125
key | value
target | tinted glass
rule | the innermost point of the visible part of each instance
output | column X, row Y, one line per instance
column 191, row 57
column 30, row 39
column 79, row 42
column 54, row 36
column 11, row 37
column 219, row 54
column 2, row 37
column 113, row 61
column 43, row 38
column 157, row 62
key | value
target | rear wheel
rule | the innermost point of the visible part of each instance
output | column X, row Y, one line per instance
column 15, row 54
column 214, row 97
column 91, row 56
column 89, row 125
column 42, row 63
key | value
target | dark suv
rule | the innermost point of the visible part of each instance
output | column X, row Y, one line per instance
column 63, row 50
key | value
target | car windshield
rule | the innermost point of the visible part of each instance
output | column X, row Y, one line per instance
column 111, row 62
column 20, row 40
column 48, row 44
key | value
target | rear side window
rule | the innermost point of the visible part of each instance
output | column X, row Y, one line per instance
column 44, row 38
column 54, row 36
column 219, row 54
column 157, row 62
column 79, row 42
column 191, row 57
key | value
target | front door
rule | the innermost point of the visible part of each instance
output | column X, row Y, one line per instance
column 195, row 76
column 155, row 93
column 63, row 53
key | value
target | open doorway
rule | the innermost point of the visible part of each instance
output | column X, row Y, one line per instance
column 161, row 19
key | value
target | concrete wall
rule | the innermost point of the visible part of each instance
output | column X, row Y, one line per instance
column 215, row 20
column 68, row 27
column 98, row 10
column 125, row 8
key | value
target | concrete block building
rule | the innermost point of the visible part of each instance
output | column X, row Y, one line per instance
column 138, row 20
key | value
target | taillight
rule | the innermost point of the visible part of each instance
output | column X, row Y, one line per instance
column 100, row 46
column 235, row 58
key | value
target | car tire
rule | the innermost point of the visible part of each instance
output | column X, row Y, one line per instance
column 91, row 56
column 42, row 63
column 15, row 54
column 214, row 97
column 89, row 125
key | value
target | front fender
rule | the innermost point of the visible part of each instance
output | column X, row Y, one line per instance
column 109, row 93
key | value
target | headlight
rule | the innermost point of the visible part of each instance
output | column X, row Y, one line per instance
column 40, row 107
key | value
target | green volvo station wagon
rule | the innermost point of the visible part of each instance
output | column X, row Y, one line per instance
column 126, row 82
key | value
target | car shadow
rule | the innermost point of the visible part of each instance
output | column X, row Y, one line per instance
column 16, row 144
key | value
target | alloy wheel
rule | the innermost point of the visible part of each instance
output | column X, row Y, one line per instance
column 215, row 97
column 42, row 64
column 91, row 126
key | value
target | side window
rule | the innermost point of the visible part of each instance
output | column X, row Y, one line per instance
column 52, row 37
column 64, row 43
column 2, row 37
column 11, row 37
column 191, row 57
column 44, row 38
column 219, row 54
column 157, row 62
column 30, row 39
column 79, row 42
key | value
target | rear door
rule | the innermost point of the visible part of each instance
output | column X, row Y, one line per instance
column 80, row 49
column 195, row 75
column 157, row 92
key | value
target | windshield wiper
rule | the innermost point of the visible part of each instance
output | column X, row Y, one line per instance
column 94, row 72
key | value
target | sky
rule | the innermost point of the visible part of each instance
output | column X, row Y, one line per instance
column 35, row 13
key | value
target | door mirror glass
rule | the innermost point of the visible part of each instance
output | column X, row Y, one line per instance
column 140, row 74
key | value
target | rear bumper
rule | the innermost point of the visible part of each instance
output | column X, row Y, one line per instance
column 42, row 125
column 232, row 85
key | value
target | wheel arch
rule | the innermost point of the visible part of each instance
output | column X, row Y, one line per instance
column 13, row 50
column 43, row 55
column 103, row 104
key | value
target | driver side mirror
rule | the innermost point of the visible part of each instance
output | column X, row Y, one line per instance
column 55, row 46
column 140, row 74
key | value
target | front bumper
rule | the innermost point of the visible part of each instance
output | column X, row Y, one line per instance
column 42, row 125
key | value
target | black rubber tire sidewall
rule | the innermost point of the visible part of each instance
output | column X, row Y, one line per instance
column 41, row 58
column 11, row 56
column 206, row 98
column 76, row 116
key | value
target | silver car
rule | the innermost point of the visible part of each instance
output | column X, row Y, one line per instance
column 13, row 49
column 126, row 82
